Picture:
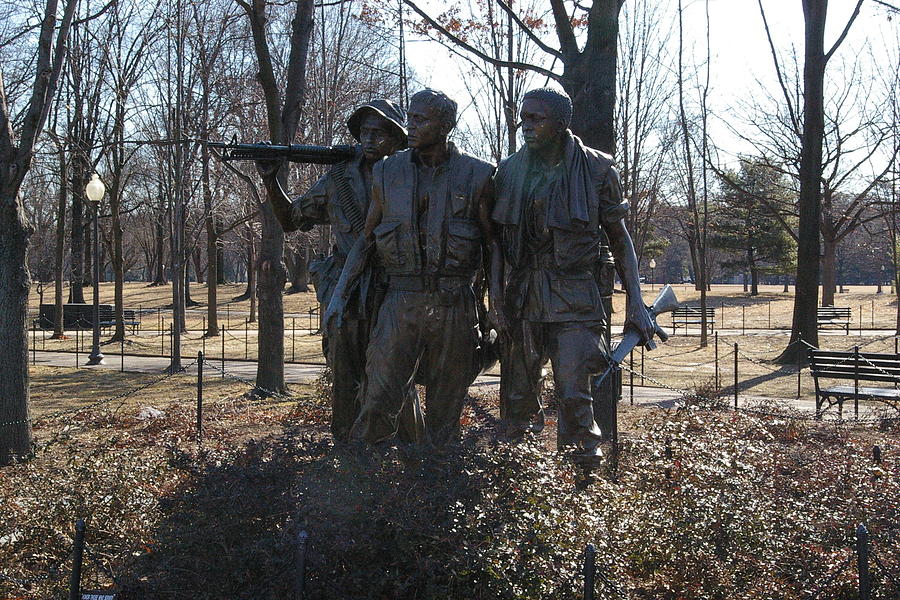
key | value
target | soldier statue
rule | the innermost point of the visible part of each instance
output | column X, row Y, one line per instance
column 553, row 197
column 341, row 198
column 429, row 226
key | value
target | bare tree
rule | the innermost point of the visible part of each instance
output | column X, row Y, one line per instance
column 17, row 145
column 283, row 111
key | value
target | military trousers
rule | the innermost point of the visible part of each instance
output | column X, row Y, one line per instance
column 577, row 351
column 430, row 337
column 345, row 353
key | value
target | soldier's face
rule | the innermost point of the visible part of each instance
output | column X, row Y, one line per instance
column 377, row 137
column 539, row 128
column 425, row 127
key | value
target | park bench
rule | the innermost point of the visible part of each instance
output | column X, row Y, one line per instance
column 834, row 315
column 856, row 366
column 691, row 315
column 108, row 318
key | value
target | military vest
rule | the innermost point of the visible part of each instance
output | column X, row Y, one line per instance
column 450, row 230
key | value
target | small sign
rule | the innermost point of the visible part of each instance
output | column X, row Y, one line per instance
column 98, row 595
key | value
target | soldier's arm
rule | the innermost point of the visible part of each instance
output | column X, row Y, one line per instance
column 492, row 246
column 308, row 210
column 613, row 209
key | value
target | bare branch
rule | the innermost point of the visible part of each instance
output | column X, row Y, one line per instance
column 485, row 57
column 541, row 44
column 844, row 33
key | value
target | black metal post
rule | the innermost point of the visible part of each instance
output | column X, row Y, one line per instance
column 162, row 338
column 122, row 354
column 743, row 320
column 77, row 329
column 222, row 335
column 172, row 342
column 860, row 318
column 716, row 337
column 799, row 367
column 300, row 572
column 862, row 562
column 856, row 382
column 642, row 365
column 293, row 338
column 735, row 375
column 77, row 558
column 590, row 571
column 34, row 341
column 96, row 357
column 203, row 336
column 770, row 314
column 246, row 339
column 631, row 378
column 199, row 398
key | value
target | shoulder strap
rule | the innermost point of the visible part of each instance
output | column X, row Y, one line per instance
column 346, row 197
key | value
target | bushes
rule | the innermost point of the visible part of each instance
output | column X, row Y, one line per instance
column 704, row 505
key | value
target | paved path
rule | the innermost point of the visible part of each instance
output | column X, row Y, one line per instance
column 306, row 372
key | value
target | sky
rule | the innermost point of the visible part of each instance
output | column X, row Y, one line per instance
column 740, row 51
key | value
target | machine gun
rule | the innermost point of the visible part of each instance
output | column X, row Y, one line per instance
column 317, row 155
column 665, row 302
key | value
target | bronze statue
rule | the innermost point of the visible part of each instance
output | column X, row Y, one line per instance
column 429, row 224
column 341, row 198
column 553, row 197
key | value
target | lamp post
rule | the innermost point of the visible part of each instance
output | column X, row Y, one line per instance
column 652, row 267
column 94, row 192
column 881, row 281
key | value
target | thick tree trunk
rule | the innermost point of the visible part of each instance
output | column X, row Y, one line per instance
column 270, row 288
column 58, row 330
column 212, row 263
column 15, row 415
column 803, row 323
column 198, row 266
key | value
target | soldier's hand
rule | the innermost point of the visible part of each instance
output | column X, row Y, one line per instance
column 268, row 168
column 638, row 318
column 498, row 315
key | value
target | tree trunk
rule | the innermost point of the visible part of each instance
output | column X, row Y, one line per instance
column 212, row 255
column 198, row 267
column 829, row 270
column 297, row 265
column 159, row 267
column 58, row 329
column 220, row 254
column 76, row 263
column 118, row 260
column 15, row 414
column 803, row 323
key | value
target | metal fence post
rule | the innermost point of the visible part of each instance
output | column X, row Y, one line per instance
column 862, row 562
column 631, row 378
column 856, row 382
column 246, row 339
column 199, row 398
column 122, row 355
column 735, row 375
column 590, row 571
column 300, row 558
column 222, row 336
column 293, row 337
column 76, row 345
column 799, row 365
column 860, row 318
column 642, row 365
column 77, row 558
column 770, row 314
column 743, row 320
column 162, row 338
column 716, row 338
column 34, row 341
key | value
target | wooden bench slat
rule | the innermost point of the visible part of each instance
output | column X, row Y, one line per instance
column 863, row 391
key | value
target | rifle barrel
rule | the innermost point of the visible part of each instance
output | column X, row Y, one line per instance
column 319, row 155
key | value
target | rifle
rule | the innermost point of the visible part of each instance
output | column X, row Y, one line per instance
column 317, row 155
column 665, row 302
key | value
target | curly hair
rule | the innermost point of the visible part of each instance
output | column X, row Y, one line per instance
column 557, row 101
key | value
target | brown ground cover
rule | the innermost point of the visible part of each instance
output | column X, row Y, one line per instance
column 701, row 502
